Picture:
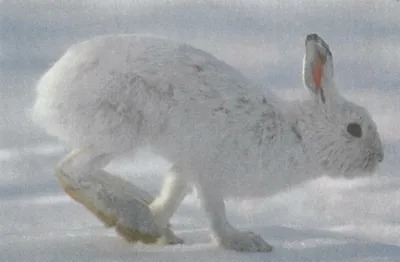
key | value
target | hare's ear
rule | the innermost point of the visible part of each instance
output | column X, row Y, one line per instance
column 318, row 69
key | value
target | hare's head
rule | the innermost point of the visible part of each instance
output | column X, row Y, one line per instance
column 339, row 136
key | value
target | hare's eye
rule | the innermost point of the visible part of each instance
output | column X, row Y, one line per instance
column 354, row 129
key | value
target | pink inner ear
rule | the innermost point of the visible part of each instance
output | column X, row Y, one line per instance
column 318, row 71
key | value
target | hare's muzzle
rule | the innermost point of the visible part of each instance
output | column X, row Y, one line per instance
column 379, row 156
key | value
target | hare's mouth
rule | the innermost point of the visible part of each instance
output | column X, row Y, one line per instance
column 365, row 166
column 371, row 162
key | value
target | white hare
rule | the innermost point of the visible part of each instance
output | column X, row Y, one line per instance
column 224, row 135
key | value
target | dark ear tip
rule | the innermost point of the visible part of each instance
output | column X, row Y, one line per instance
column 312, row 37
column 316, row 38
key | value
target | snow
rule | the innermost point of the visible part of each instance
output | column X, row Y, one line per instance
column 323, row 220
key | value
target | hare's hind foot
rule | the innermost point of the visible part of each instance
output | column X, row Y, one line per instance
column 115, row 202
column 131, row 217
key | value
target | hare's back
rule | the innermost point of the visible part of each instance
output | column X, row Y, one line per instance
column 157, row 61
column 112, row 66
column 110, row 84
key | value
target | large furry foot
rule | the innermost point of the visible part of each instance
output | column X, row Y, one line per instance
column 118, row 203
column 244, row 242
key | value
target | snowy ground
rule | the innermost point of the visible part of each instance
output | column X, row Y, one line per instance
column 323, row 220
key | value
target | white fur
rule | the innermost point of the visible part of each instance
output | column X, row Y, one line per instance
column 224, row 134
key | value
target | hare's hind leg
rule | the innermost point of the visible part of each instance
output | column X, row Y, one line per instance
column 114, row 201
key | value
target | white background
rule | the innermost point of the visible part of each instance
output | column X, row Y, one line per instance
column 330, row 220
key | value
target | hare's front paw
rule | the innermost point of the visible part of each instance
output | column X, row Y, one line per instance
column 244, row 242
column 169, row 238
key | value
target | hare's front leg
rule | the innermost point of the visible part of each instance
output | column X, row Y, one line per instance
column 225, row 234
column 113, row 200
column 173, row 191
